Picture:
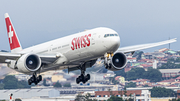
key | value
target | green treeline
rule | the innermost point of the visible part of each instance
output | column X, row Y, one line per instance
column 162, row 92
column 10, row 82
column 154, row 75
column 171, row 64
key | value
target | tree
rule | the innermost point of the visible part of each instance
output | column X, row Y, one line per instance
column 135, row 73
column 154, row 75
column 131, row 84
column 1, row 86
column 115, row 98
column 171, row 64
column 87, row 97
column 44, row 83
column 162, row 92
column 178, row 99
column 112, row 79
column 58, row 85
column 10, row 82
column 23, row 84
column 81, row 97
column 146, row 85
column 67, row 85
column 110, row 92
column 125, row 92
column 120, row 73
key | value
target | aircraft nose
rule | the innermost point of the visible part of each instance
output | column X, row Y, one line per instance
column 115, row 43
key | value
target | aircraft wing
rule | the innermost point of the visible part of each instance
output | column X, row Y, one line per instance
column 134, row 48
column 6, row 55
column 45, row 58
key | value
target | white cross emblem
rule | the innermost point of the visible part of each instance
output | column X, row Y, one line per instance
column 10, row 34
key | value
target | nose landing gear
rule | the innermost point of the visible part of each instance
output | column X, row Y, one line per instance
column 107, row 61
column 34, row 79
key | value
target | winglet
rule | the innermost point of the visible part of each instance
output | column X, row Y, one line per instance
column 14, row 43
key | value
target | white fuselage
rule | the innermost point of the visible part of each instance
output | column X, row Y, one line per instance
column 78, row 48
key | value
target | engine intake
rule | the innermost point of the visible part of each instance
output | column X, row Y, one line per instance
column 117, row 62
column 32, row 62
column 28, row 63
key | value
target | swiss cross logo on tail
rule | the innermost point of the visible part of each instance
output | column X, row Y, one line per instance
column 10, row 34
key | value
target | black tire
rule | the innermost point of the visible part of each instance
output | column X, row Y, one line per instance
column 81, row 77
column 110, row 65
column 29, row 82
column 39, row 78
column 106, row 66
column 77, row 80
column 36, row 82
column 84, row 81
column 88, row 77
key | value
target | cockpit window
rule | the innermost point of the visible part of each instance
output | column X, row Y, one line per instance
column 108, row 35
column 111, row 34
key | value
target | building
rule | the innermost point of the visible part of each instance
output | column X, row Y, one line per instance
column 29, row 93
column 139, row 95
column 57, row 78
column 141, row 81
column 131, row 59
column 166, row 82
column 166, row 73
column 120, row 79
column 178, row 94
column 177, row 79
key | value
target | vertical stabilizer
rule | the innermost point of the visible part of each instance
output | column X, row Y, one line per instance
column 14, row 43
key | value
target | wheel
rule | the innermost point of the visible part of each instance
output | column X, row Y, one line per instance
column 81, row 77
column 39, row 78
column 77, row 80
column 84, row 81
column 88, row 76
column 35, row 82
column 106, row 66
column 29, row 81
column 110, row 65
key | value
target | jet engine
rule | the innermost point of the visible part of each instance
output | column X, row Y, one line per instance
column 117, row 62
column 28, row 63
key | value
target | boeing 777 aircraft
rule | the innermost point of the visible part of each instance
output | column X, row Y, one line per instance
column 77, row 51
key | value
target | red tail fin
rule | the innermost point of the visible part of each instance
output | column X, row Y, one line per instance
column 13, row 39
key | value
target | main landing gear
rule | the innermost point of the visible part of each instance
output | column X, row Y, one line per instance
column 82, row 77
column 34, row 79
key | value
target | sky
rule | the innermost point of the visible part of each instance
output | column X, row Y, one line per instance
column 136, row 21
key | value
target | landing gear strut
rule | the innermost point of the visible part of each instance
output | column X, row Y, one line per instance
column 34, row 79
column 82, row 77
column 107, row 60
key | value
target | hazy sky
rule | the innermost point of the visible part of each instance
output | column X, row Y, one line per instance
column 136, row 21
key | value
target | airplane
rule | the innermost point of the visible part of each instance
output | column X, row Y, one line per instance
column 74, row 52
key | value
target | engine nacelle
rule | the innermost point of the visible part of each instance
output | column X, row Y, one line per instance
column 118, row 61
column 28, row 63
